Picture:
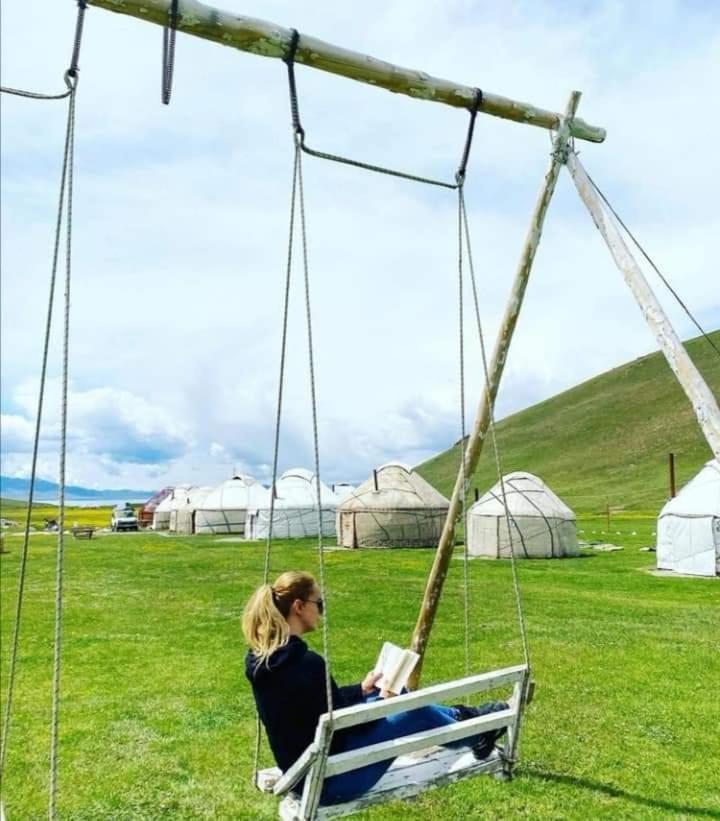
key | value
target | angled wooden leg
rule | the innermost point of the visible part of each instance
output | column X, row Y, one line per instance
column 477, row 437
column 700, row 396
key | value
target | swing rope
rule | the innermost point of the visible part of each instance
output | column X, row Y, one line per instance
column 297, row 204
column 655, row 268
column 70, row 74
column 57, row 653
column 316, row 448
column 289, row 61
column 463, row 434
column 463, row 240
column 278, row 417
column 64, row 202
column 493, row 435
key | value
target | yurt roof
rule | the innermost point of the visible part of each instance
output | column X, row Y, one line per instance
column 170, row 502
column 342, row 490
column 193, row 497
column 151, row 505
column 296, row 488
column 398, row 488
column 239, row 493
column 700, row 496
column 526, row 494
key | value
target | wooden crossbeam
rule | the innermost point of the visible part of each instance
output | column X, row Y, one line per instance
column 270, row 40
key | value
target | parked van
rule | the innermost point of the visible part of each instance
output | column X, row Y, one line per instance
column 124, row 518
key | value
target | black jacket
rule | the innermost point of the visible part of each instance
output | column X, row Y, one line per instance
column 289, row 691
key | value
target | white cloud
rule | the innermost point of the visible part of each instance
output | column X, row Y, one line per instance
column 107, row 427
column 180, row 227
column 16, row 433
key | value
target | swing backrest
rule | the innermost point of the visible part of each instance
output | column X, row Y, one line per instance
column 316, row 764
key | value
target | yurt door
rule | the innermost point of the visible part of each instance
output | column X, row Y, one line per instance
column 347, row 526
column 716, row 534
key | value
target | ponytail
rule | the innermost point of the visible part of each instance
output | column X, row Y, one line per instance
column 264, row 621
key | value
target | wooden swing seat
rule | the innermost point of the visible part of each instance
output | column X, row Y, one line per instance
column 419, row 762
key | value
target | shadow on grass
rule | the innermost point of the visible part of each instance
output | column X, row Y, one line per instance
column 616, row 792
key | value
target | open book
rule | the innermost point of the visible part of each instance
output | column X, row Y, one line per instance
column 395, row 664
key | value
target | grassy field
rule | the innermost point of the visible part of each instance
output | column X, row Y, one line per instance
column 157, row 718
column 16, row 511
column 605, row 441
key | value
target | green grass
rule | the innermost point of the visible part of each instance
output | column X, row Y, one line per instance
column 605, row 441
column 16, row 511
column 157, row 718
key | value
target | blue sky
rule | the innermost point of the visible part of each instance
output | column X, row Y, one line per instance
column 181, row 220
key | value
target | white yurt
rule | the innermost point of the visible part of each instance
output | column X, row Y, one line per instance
column 543, row 526
column 182, row 514
column 688, row 527
column 227, row 507
column 395, row 507
column 295, row 508
column 161, row 516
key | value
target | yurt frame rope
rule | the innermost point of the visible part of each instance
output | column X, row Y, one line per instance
column 273, row 41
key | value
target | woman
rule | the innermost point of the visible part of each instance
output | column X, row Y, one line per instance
column 288, row 684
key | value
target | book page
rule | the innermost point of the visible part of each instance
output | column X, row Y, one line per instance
column 396, row 665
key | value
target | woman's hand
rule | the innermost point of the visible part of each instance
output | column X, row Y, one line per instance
column 369, row 682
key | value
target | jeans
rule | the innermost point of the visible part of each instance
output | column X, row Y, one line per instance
column 350, row 785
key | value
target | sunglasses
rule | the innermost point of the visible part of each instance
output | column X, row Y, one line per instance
column 320, row 604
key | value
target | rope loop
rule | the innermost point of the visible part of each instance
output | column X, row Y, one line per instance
column 71, row 81
column 71, row 74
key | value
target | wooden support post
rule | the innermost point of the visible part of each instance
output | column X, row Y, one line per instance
column 701, row 398
column 671, row 466
column 476, row 439
column 270, row 40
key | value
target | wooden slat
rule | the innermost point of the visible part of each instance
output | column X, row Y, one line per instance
column 316, row 776
column 406, row 779
column 513, row 734
column 297, row 771
column 344, row 762
column 453, row 690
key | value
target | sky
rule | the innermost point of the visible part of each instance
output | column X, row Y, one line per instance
column 181, row 220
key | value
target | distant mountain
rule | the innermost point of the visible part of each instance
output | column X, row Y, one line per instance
column 11, row 488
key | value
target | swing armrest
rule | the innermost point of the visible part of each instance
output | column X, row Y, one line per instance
column 298, row 770
column 449, row 691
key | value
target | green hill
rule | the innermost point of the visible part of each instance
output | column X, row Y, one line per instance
column 605, row 441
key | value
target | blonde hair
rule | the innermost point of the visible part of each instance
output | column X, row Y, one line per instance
column 264, row 621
